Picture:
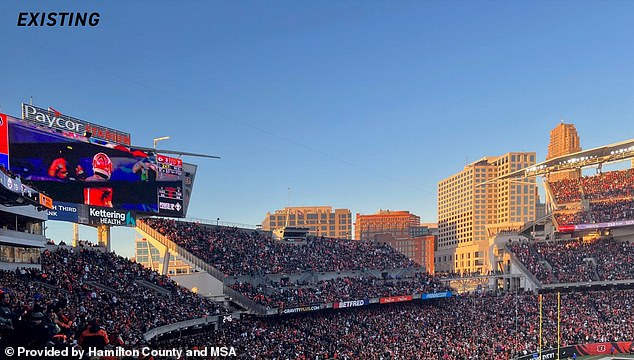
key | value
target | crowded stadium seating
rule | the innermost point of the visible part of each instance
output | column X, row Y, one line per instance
column 78, row 287
column 92, row 297
column 240, row 252
column 609, row 197
column 576, row 260
column 243, row 252
column 608, row 185
column 466, row 327
column 339, row 289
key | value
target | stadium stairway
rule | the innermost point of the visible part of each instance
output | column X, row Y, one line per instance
column 208, row 281
column 102, row 287
column 523, row 268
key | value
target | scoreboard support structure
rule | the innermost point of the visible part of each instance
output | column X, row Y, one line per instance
column 103, row 236
column 75, row 234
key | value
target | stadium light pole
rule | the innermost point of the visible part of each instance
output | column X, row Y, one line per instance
column 156, row 140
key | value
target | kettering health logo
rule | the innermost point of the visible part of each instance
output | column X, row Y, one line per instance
column 59, row 19
column 129, row 219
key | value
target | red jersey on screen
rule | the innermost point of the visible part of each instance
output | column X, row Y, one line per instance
column 98, row 196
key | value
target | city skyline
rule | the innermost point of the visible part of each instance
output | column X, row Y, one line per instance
column 358, row 106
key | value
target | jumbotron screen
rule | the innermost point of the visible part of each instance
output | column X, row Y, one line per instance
column 73, row 169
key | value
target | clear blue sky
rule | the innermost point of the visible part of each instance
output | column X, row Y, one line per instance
column 363, row 105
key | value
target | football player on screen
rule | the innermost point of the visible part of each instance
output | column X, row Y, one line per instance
column 101, row 168
column 102, row 171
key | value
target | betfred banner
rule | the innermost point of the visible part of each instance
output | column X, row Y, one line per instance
column 110, row 217
column 395, row 299
column 351, row 303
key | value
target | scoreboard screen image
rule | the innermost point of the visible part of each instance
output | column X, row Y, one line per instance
column 74, row 169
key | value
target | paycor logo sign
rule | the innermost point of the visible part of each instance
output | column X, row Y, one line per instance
column 56, row 120
column 50, row 119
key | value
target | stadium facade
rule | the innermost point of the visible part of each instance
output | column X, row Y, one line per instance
column 148, row 255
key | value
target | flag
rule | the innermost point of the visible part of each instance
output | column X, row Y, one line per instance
column 300, row 212
column 57, row 113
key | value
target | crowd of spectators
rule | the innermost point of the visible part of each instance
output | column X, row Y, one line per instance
column 566, row 190
column 599, row 212
column 576, row 260
column 464, row 327
column 77, row 290
column 609, row 195
column 612, row 184
column 339, row 289
column 608, row 185
column 612, row 210
column 243, row 252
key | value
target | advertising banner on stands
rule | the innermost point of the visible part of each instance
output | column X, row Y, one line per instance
column 394, row 299
column 302, row 309
column 351, row 303
column 438, row 295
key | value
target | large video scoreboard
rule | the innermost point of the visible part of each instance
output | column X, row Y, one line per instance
column 76, row 169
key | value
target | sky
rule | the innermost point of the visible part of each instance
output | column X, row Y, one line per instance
column 363, row 105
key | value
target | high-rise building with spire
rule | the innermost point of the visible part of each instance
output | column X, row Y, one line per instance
column 564, row 140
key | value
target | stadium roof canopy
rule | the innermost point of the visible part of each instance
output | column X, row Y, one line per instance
column 601, row 155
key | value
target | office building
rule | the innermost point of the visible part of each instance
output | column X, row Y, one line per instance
column 321, row 220
column 470, row 213
column 397, row 223
column 419, row 249
column 401, row 230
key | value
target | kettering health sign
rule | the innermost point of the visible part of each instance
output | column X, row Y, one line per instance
column 111, row 217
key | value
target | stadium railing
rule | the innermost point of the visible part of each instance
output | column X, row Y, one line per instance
column 221, row 223
column 186, row 255
column 215, row 319
column 247, row 303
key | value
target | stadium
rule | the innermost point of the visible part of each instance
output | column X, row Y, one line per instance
column 559, row 287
